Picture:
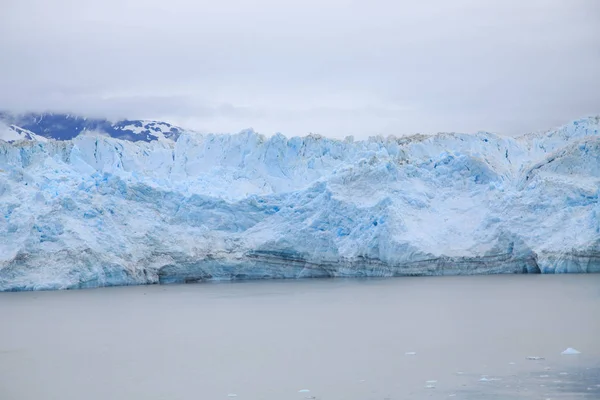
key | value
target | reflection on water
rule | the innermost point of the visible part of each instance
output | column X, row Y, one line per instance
column 405, row 338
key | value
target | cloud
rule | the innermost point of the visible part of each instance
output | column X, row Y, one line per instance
column 333, row 67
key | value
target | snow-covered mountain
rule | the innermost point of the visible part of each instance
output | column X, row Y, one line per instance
column 33, row 126
column 13, row 133
column 98, row 211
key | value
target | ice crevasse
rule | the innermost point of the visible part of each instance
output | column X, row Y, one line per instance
column 98, row 211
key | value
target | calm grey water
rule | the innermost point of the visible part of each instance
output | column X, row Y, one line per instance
column 340, row 339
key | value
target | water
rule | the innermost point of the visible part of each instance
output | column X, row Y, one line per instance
column 340, row 339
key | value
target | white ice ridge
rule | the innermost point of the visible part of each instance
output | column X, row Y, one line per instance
column 98, row 211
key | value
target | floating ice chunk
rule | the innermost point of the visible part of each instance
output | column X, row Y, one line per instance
column 303, row 391
column 484, row 379
column 410, row 353
column 544, row 376
column 232, row 395
column 430, row 387
column 534, row 358
column 570, row 351
column 563, row 373
column 512, row 363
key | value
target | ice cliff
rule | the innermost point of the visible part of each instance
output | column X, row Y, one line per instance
column 99, row 211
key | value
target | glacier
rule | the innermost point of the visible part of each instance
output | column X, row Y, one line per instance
column 100, row 211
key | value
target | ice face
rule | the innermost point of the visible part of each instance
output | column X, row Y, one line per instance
column 99, row 211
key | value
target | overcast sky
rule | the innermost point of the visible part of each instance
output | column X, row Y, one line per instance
column 325, row 66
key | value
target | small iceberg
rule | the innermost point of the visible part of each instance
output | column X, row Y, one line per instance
column 534, row 358
column 303, row 391
column 570, row 351
column 484, row 378
column 410, row 353
column 232, row 395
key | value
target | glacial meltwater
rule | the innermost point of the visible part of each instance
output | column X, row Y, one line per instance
column 464, row 337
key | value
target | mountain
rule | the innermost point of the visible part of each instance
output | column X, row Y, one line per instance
column 13, row 133
column 67, row 127
column 100, row 211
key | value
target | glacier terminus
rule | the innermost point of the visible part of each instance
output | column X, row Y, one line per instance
column 100, row 208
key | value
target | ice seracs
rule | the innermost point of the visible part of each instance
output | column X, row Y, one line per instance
column 100, row 211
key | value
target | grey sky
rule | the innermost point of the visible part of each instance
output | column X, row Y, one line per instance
column 326, row 66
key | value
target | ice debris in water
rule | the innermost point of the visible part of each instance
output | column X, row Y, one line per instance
column 431, row 381
column 410, row 353
column 232, row 395
column 430, row 387
column 534, row 358
column 303, row 391
column 570, row 351
column 484, row 378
